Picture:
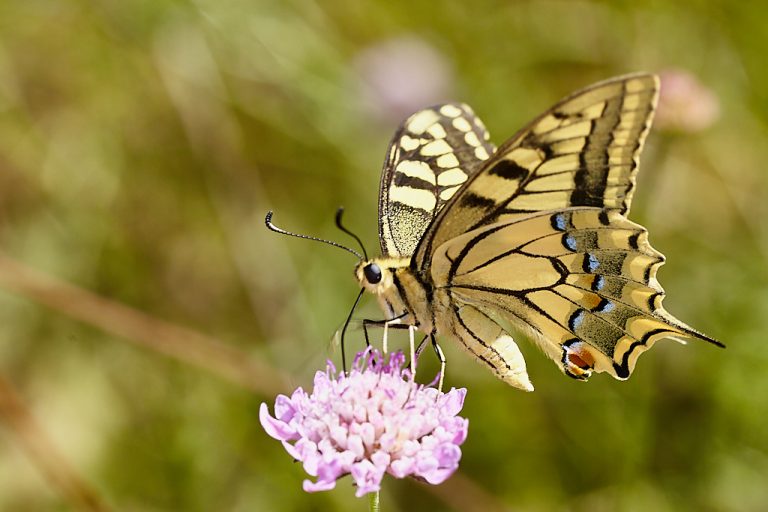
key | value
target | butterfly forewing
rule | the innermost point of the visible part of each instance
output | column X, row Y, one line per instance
column 581, row 152
column 432, row 154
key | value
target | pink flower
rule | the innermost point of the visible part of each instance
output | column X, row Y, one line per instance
column 401, row 75
column 375, row 420
column 685, row 104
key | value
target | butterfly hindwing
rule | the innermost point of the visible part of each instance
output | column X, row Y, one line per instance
column 581, row 281
column 581, row 152
column 431, row 155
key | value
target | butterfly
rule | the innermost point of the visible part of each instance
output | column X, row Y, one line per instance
column 531, row 237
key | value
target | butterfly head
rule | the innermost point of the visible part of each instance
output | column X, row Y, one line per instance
column 375, row 276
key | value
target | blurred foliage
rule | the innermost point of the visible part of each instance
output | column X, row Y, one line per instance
column 141, row 143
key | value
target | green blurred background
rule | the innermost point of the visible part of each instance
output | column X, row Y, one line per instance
column 142, row 142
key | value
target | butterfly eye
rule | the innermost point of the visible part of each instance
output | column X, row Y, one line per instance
column 372, row 273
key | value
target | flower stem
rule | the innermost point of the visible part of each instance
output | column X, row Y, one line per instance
column 373, row 501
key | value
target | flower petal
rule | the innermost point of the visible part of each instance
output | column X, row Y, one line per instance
column 284, row 408
column 402, row 467
column 437, row 476
column 367, row 477
column 275, row 428
column 310, row 486
column 355, row 445
column 381, row 459
column 426, row 463
column 448, row 455
column 461, row 428
column 292, row 451
column 453, row 401
column 309, row 455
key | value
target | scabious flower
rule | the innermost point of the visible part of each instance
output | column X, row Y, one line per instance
column 685, row 104
column 372, row 421
column 400, row 75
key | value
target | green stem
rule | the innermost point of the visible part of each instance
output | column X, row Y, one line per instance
column 373, row 501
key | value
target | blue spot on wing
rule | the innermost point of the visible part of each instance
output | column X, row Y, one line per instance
column 605, row 306
column 598, row 283
column 569, row 241
column 559, row 222
column 576, row 319
column 590, row 263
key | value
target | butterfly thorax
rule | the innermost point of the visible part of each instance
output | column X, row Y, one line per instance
column 400, row 292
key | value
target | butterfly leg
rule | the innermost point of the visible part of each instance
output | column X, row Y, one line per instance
column 384, row 338
column 394, row 323
column 419, row 348
column 441, row 358
column 421, row 344
column 411, row 346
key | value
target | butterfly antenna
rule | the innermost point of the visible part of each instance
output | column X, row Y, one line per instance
column 344, row 330
column 339, row 225
column 272, row 227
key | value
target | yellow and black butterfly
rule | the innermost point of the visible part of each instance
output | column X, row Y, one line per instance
column 531, row 236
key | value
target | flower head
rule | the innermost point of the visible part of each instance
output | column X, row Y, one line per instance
column 400, row 75
column 373, row 421
column 685, row 104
